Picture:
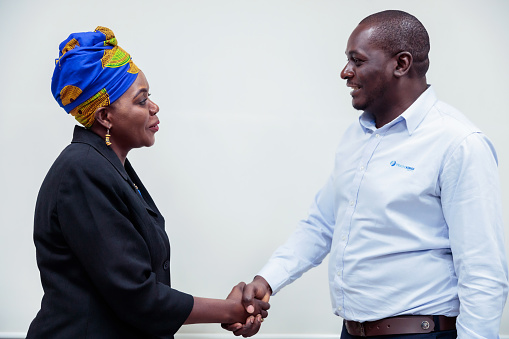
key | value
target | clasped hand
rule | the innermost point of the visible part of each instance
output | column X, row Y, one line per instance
column 254, row 299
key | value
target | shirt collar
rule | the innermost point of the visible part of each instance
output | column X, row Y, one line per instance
column 413, row 115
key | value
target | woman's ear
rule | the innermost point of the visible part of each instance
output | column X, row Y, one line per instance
column 102, row 116
column 404, row 63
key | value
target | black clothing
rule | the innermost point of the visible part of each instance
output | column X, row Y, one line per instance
column 102, row 251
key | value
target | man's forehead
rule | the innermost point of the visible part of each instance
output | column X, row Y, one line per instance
column 363, row 31
column 360, row 38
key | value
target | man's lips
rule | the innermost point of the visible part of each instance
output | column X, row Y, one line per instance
column 355, row 88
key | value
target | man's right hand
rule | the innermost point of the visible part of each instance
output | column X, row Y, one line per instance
column 257, row 289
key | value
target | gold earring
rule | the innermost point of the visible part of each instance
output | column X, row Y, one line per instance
column 107, row 139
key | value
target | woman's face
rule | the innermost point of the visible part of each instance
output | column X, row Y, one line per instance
column 133, row 118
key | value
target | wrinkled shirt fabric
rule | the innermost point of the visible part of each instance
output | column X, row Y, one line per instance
column 411, row 216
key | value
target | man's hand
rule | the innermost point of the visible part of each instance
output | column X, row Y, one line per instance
column 258, row 291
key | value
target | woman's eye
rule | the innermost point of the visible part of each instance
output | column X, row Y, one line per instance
column 144, row 101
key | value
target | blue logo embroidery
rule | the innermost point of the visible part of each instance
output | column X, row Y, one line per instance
column 408, row 168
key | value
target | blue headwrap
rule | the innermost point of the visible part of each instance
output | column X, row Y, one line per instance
column 92, row 71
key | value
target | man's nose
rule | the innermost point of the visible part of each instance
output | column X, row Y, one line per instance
column 346, row 73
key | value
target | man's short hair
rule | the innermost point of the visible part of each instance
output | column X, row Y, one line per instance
column 397, row 31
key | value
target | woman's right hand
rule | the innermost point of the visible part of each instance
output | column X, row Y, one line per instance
column 229, row 311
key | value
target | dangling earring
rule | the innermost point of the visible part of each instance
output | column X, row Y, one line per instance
column 107, row 139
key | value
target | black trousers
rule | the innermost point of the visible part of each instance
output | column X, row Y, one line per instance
column 434, row 335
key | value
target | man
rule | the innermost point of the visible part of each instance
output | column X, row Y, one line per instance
column 411, row 214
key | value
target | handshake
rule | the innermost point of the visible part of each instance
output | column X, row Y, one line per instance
column 251, row 305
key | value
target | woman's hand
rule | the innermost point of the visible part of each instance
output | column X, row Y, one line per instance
column 228, row 311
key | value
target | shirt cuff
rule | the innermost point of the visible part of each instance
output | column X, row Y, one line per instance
column 275, row 276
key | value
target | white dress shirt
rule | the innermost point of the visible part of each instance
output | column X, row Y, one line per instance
column 411, row 216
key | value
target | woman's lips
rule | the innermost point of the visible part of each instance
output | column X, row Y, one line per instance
column 154, row 127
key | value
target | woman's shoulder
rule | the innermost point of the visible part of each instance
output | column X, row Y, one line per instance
column 83, row 156
column 87, row 161
column 88, row 151
column 80, row 161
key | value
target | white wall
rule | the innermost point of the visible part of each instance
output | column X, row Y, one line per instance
column 252, row 108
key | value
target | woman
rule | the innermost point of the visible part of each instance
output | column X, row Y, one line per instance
column 102, row 251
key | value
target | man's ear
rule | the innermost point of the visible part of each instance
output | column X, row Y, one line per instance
column 102, row 116
column 404, row 63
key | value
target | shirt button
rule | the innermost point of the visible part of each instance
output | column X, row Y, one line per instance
column 362, row 168
column 339, row 274
column 343, row 238
column 351, row 202
column 339, row 308
column 166, row 265
column 377, row 135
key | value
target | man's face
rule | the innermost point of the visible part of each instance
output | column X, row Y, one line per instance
column 369, row 71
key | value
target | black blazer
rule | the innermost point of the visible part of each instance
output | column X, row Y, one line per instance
column 102, row 251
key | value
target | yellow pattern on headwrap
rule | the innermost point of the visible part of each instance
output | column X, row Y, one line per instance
column 111, row 42
column 69, row 93
column 85, row 113
column 133, row 69
column 68, row 46
column 106, row 31
column 115, row 57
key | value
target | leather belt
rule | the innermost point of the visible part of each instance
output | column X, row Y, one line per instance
column 405, row 324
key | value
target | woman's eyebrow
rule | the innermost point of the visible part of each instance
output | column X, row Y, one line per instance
column 139, row 91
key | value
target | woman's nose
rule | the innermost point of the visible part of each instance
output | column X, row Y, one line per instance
column 154, row 108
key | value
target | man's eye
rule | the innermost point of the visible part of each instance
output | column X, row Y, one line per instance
column 144, row 101
column 357, row 62
column 354, row 60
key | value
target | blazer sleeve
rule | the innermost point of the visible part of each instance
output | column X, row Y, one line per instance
column 96, row 223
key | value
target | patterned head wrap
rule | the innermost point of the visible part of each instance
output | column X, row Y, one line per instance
column 92, row 71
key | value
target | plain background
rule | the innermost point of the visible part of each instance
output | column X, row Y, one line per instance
column 252, row 108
